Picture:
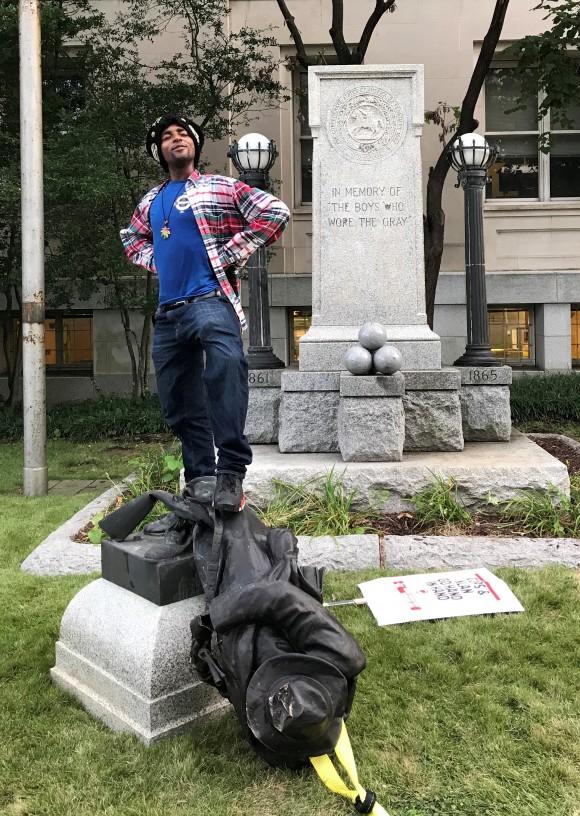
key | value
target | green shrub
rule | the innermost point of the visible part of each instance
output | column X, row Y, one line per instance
column 91, row 420
column 10, row 424
column 575, row 489
column 438, row 504
column 546, row 397
column 319, row 506
column 547, row 514
column 156, row 469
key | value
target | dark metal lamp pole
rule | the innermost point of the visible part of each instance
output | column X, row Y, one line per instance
column 471, row 156
column 253, row 156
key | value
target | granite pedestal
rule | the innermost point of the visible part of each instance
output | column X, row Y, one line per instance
column 262, row 420
column 433, row 410
column 501, row 469
column 309, row 412
column 485, row 403
column 371, row 420
column 126, row 660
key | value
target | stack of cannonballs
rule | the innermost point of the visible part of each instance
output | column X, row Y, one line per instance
column 372, row 353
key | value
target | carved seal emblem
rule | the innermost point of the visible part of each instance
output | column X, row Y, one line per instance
column 366, row 123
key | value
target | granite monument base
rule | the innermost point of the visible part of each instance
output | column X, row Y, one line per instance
column 262, row 421
column 310, row 420
column 433, row 410
column 485, row 403
column 126, row 660
column 371, row 420
column 323, row 347
column 501, row 469
column 309, row 412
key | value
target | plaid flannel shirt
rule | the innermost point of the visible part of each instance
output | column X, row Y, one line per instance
column 234, row 221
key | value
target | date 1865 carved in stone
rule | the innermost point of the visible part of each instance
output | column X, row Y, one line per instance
column 366, row 124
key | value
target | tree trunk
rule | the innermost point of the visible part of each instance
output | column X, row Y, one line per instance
column 344, row 54
column 130, row 340
column 130, row 336
column 12, row 355
column 144, row 348
column 434, row 220
column 12, row 351
column 145, row 343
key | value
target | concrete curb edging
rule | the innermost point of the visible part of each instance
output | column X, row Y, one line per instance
column 59, row 554
column 573, row 443
column 356, row 552
column 462, row 552
column 56, row 556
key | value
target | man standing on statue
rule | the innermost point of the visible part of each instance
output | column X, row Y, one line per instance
column 196, row 232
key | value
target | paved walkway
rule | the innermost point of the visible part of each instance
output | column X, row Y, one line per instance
column 72, row 487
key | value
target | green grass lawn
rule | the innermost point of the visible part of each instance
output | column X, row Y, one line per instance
column 466, row 717
column 25, row 522
column 69, row 460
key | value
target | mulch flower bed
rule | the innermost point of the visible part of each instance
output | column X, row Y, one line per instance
column 562, row 450
column 483, row 523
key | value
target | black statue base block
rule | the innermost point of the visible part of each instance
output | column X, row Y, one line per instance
column 161, row 582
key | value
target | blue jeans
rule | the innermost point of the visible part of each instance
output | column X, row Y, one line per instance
column 202, row 381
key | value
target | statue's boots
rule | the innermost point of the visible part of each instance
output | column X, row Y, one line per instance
column 162, row 525
column 173, row 543
column 201, row 489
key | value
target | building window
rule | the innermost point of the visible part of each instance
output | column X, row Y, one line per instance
column 575, row 331
column 522, row 170
column 68, row 342
column 510, row 334
column 304, row 158
column 300, row 321
column 302, row 132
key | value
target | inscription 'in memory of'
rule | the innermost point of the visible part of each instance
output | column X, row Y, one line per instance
column 367, row 207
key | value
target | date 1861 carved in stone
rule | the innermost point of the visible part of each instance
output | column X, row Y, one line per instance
column 365, row 124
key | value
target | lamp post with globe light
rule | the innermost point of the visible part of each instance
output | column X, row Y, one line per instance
column 253, row 155
column 472, row 156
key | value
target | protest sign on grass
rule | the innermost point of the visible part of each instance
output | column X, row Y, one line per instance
column 407, row 598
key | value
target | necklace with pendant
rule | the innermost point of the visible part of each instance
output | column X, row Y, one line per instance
column 165, row 230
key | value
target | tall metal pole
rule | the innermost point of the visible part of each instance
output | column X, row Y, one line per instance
column 478, row 348
column 260, row 353
column 32, row 210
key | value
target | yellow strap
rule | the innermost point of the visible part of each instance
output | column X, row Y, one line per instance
column 330, row 777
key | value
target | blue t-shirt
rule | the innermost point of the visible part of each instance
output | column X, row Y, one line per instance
column 181, row 260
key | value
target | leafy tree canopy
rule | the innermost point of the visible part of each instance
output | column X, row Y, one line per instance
column 99, row 95
column 549, row 62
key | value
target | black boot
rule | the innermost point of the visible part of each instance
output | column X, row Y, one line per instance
column 229, row 492
column 201, row 489
column 162, row 525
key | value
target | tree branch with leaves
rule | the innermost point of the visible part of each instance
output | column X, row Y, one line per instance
column 96, row 168
column 434, row 219
column 549, row 63
column 345, row 55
